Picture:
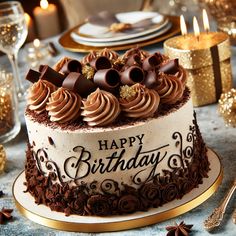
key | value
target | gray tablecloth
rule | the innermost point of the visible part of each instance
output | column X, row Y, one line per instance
column 220, row 138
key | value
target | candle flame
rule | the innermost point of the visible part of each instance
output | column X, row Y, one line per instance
column 196, row 27
column 205, row 20
column 36, row 43
column 27, row 18
column 44, row 4
column 183, row 26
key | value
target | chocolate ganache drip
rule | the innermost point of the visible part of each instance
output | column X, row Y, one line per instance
column 138, row 101
column 38, row 95
column 64, row 106
column 101, row 108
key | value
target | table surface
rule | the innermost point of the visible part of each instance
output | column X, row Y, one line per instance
column 217, row 136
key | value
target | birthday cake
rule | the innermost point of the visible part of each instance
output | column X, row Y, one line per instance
column 111, row 134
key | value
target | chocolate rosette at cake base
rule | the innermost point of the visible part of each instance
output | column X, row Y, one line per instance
column 128, row 203
column 152, row 193
column 98, row 205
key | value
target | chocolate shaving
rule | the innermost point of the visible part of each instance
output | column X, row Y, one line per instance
column 5, row 215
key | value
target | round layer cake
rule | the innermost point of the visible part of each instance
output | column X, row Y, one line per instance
column 116, row 143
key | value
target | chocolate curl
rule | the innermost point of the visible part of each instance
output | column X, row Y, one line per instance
column 71, row 66
column 151, row 79
column 101, row 63
column 134, row 60
column 151, row 62
column 76, row 82
column 52, row 76
column 171, row 67
column 41, row 68
column 132, row 75
column 32, row 76
column 108, row 79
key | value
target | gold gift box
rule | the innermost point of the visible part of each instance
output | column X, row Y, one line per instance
column 207, row 64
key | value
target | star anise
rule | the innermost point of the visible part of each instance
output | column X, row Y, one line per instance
column 5, row 215
column 179, row 230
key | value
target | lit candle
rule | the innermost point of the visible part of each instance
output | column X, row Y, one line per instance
column 206, row 58
column 46, row 17
column 30, row 25
column 205, row 21
column 38, row 53
column 184, row 27
column 196, row 28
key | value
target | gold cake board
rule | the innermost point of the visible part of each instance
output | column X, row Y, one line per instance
column 44, row 216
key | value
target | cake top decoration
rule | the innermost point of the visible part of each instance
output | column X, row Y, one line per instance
column 122, row 83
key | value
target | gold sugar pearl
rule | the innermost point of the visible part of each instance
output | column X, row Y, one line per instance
column 227, row 107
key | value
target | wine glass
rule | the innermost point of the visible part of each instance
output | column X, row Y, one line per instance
column 13, row 33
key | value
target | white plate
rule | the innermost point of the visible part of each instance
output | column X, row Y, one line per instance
column 122, row 42
column 94, row 33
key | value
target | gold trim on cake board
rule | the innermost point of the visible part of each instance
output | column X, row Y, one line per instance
column 133, row 222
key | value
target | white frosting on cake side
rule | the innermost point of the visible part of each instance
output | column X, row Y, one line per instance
column 129, row 154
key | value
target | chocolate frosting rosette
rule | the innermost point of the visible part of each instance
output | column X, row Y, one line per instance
column 101, row 108
column 138, row 101
column 64, row 106
column 110, row 54
column 38, row 95
column 170, row 88
column 88, row 58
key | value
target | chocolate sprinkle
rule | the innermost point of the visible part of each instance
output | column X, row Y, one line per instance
column 50, row 140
